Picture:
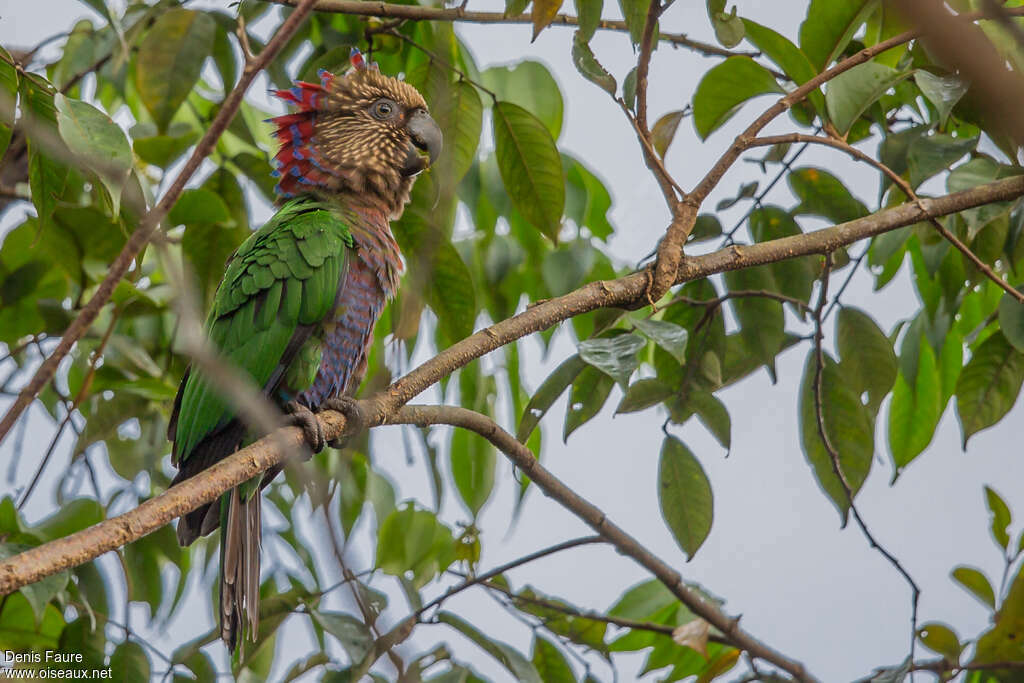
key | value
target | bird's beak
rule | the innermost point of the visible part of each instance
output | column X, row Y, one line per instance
column 425, row 143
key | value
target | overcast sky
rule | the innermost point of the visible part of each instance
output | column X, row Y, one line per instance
column 776, row 553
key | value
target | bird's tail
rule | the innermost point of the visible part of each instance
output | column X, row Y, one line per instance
column 239, row 566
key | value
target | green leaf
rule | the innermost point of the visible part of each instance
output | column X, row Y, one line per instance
column 643, row 394
column 1011, row 320
column 642, row 601
column 915, row 410
column 664, row 131
column 589, row 14
column 550, row 662
column 460, row 116
column 724, row 88
column 198, row 206
column 40, row 592
column 667, row 335
column 542, row 12
column 589, row 391
column 1002, row 641
column 762, row 323
column 848, row 424
column 530, row 85
column 614, row 356
column 989, row 385
column 822, row 194
column 163, row 150
column 412, row 540
column 684, row 493
column 99, row 142
column 129, row 662
column 729, row 28
column 21, row 630
column 452, row 295
column 351, row 633
column 976, row 584
column 9, row 86
column 713, row 414
column 849, row 94
column 530, row 167
column 931, row 154
column 547, row 393
column 598, row 201
column 1001, row 517
column 868, row 360
column 706, row 227
column 829, row 26
column 942, row 91
column 586, row 63
column 473, row 460
column 563, row 622
column 73, row 515
column 170, row 59
column 940, row 639
column 635, row 14
column 629, row 89
column 564, row 269
column 786, row 55
column 510, row 658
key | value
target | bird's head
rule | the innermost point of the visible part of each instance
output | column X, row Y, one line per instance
column 364, row 135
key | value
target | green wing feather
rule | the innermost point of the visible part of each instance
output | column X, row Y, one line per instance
column 285, row 275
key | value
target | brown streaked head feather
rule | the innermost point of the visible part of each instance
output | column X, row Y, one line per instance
column 363, row 135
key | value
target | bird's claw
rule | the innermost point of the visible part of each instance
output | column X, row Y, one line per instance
column 355, row 421
column 301, row 416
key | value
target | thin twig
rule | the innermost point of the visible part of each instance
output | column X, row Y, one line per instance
column 819, row 367
column 663, row 629
column 483, row 578
column 740, row 294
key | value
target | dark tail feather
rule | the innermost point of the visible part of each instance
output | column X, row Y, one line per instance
column 240, row 567
column 210, row 450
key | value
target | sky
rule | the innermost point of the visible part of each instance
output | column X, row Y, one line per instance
column 776, row 552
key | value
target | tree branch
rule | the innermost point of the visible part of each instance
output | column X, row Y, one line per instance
column 151, row 221
column 621, row 622
column 483, row 578
column 904, row 186
column 385, row 10
column 524, row 459
column 83, row 546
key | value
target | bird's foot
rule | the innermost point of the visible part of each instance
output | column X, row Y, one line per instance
column 301, row 416
column 355, row 420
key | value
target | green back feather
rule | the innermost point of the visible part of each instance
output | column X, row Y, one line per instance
column 283, row 276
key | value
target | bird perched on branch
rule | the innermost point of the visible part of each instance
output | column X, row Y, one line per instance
column 297, row 305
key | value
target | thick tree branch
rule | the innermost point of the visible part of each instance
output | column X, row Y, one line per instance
column 386, row 10
column 151, row 221
column 83, row 546
column 524, row 459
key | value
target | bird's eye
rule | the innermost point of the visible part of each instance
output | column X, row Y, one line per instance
column 383, row 109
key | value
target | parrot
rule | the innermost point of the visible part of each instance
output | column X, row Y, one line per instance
column 296, row 307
